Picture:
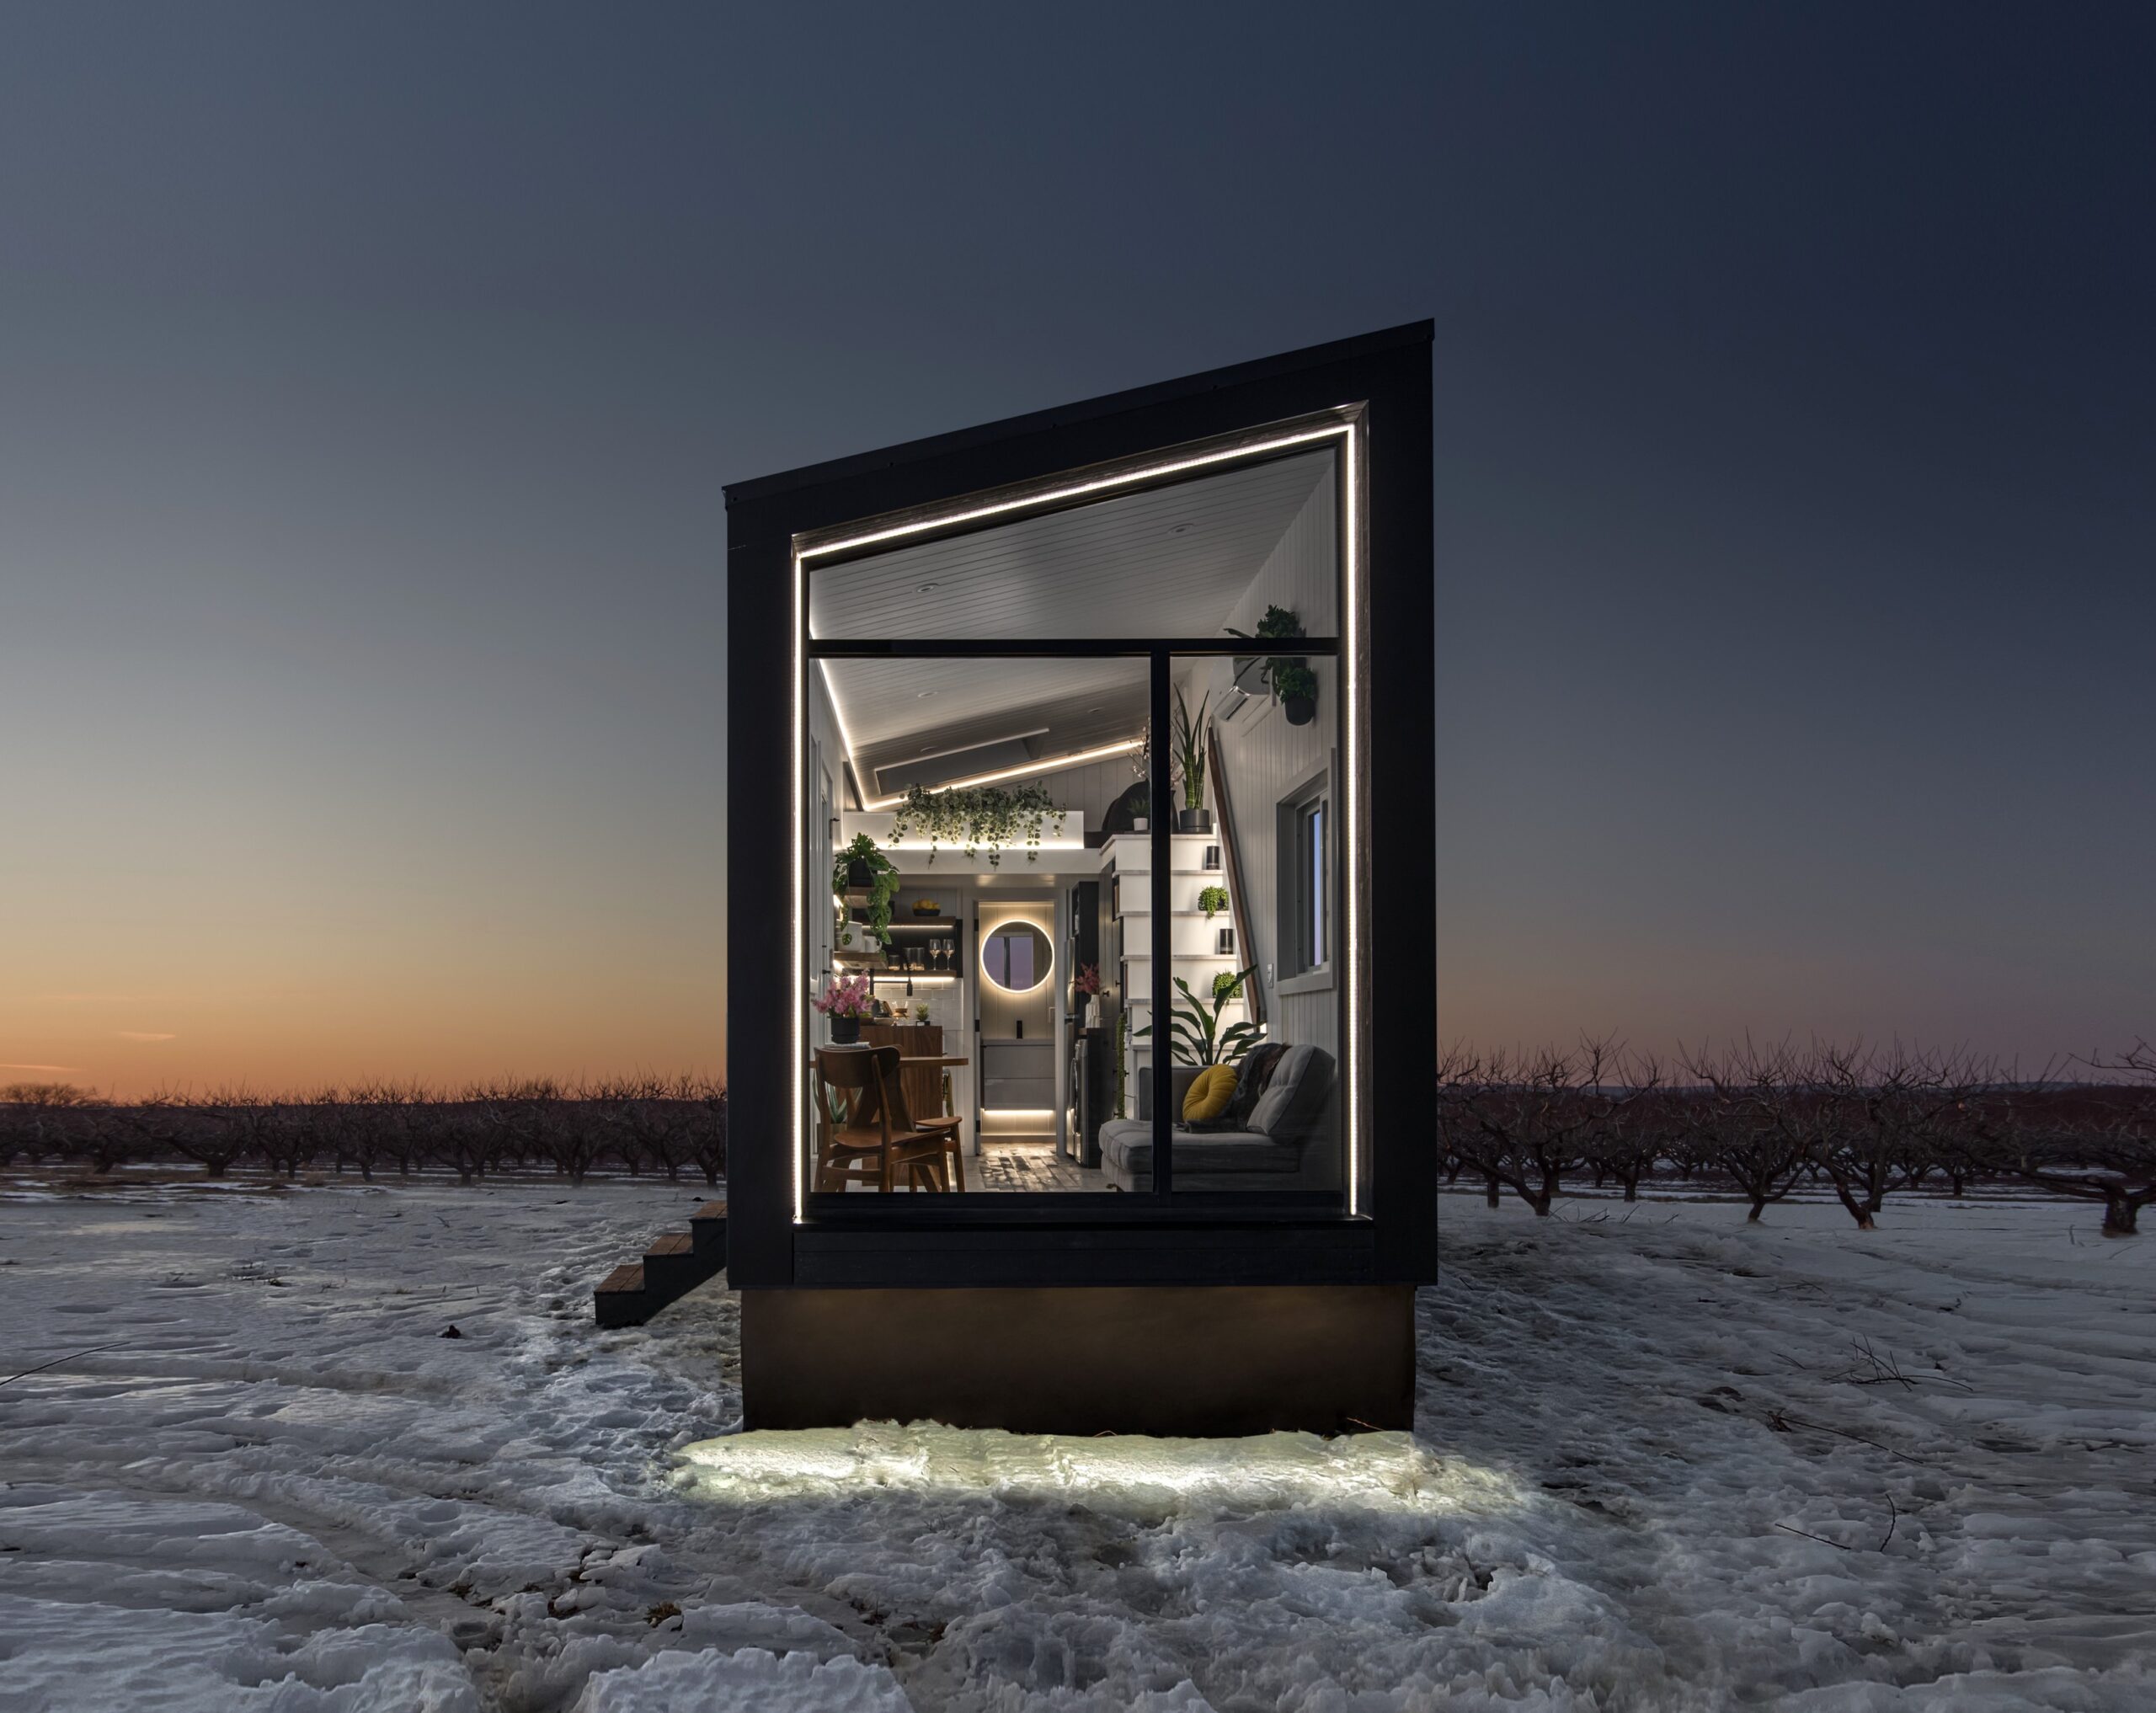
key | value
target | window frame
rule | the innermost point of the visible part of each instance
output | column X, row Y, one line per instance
column 1290, row 885
column 868, row 538
column 1382, row 381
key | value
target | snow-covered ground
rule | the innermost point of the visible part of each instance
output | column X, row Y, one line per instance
column 1662, row 1460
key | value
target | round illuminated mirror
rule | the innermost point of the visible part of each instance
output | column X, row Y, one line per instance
column 1015, row 956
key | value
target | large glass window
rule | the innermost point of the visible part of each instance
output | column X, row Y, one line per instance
column 1081, row 755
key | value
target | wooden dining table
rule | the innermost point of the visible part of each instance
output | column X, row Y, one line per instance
column 922, row 1061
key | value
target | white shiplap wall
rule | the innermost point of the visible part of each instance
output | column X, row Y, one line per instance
column 1264, row 758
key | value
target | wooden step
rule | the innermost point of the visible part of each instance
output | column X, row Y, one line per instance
column 620, row 1300
column 708, row 1223
column 672, row 1267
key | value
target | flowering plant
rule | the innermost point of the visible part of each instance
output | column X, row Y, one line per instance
column 845, row 998
column 1089, row 979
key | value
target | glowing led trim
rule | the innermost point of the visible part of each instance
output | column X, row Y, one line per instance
column 1347, row 448
column 1019, row 922
column 799, row 1003
column 1346, row 433
column 1055, row 764
column 1098, row 485
column 838, row 715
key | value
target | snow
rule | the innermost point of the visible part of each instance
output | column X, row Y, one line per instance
column 1663, row 1459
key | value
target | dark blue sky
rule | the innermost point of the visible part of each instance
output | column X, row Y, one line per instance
column 368, row 377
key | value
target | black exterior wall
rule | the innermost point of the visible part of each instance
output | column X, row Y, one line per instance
column 1022, row 1243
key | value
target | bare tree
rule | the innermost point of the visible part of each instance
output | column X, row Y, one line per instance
column 1876, row 1119
column 1526, row 1121
column 1738, row 1120
column 709, row 1132
column 2094, row 1141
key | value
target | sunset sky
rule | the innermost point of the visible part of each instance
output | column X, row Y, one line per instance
column 368, row 377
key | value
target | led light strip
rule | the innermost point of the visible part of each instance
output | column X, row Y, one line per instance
column 1346, row 432
column 1100, row 484
column 1048, row 763
column 1353, row 960
column 796, row 1066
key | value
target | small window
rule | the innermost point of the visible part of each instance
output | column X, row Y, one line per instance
column 1313, row 932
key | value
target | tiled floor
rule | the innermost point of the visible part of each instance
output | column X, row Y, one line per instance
column 1028, row 1165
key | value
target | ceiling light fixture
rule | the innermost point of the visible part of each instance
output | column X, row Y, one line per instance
column 1054, row 764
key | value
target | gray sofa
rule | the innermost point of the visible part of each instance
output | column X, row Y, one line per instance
column 1290, row 1141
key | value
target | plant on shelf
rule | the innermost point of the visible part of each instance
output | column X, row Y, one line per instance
column 1189, row 757
column 1213, row 899
column 1199, row 1039
column 846, row 1003
column 860, row 865
column 1138, row 800
column 972, row 816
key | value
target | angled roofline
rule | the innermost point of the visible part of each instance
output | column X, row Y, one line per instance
column 1084, row 410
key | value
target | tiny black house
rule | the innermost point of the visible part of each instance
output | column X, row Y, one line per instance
column 1160, row 660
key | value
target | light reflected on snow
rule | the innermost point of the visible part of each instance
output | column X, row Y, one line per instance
column 1267, row 1471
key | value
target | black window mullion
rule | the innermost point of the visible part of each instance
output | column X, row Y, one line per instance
column 1061, row 648
column 1163, row 852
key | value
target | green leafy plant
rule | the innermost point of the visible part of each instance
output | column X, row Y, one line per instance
column 1213, row 899
column 1122, row 1061
column 1280, row 624
column 972, row 816
column 1197, row 1035
column 1189, row 747
column 882, row 888
column 1292, row 678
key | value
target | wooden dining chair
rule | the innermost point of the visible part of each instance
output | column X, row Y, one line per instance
column 867, row 1136
column 945, row 1129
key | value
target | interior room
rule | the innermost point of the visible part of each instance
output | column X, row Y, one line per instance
column 980, row 861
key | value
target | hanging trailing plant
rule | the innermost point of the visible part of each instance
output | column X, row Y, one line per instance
column 974, row 817
column 861, row 864
column 1212, row 900
column 1121, row 1061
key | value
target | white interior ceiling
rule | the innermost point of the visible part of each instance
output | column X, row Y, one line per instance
column 1170, row 562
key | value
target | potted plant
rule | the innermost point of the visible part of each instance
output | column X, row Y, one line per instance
column 846, row 1003
column 1199, row 1038
column 1189, row 752
column 1296, row 685
column 1139, row 800
column 976, row 815
column 1293, row 683
column 860, row 868
column 1213, row 899
column 1083, row 989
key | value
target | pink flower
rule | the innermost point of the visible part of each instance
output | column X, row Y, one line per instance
column 845, row 998
column 1089, row 979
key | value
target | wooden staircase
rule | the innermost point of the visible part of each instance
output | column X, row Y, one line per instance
column 675, row 1265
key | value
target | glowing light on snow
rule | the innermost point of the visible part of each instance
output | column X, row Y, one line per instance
column 1134, row 1471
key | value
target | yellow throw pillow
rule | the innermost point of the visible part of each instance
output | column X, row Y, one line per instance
column 1210, row 1092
